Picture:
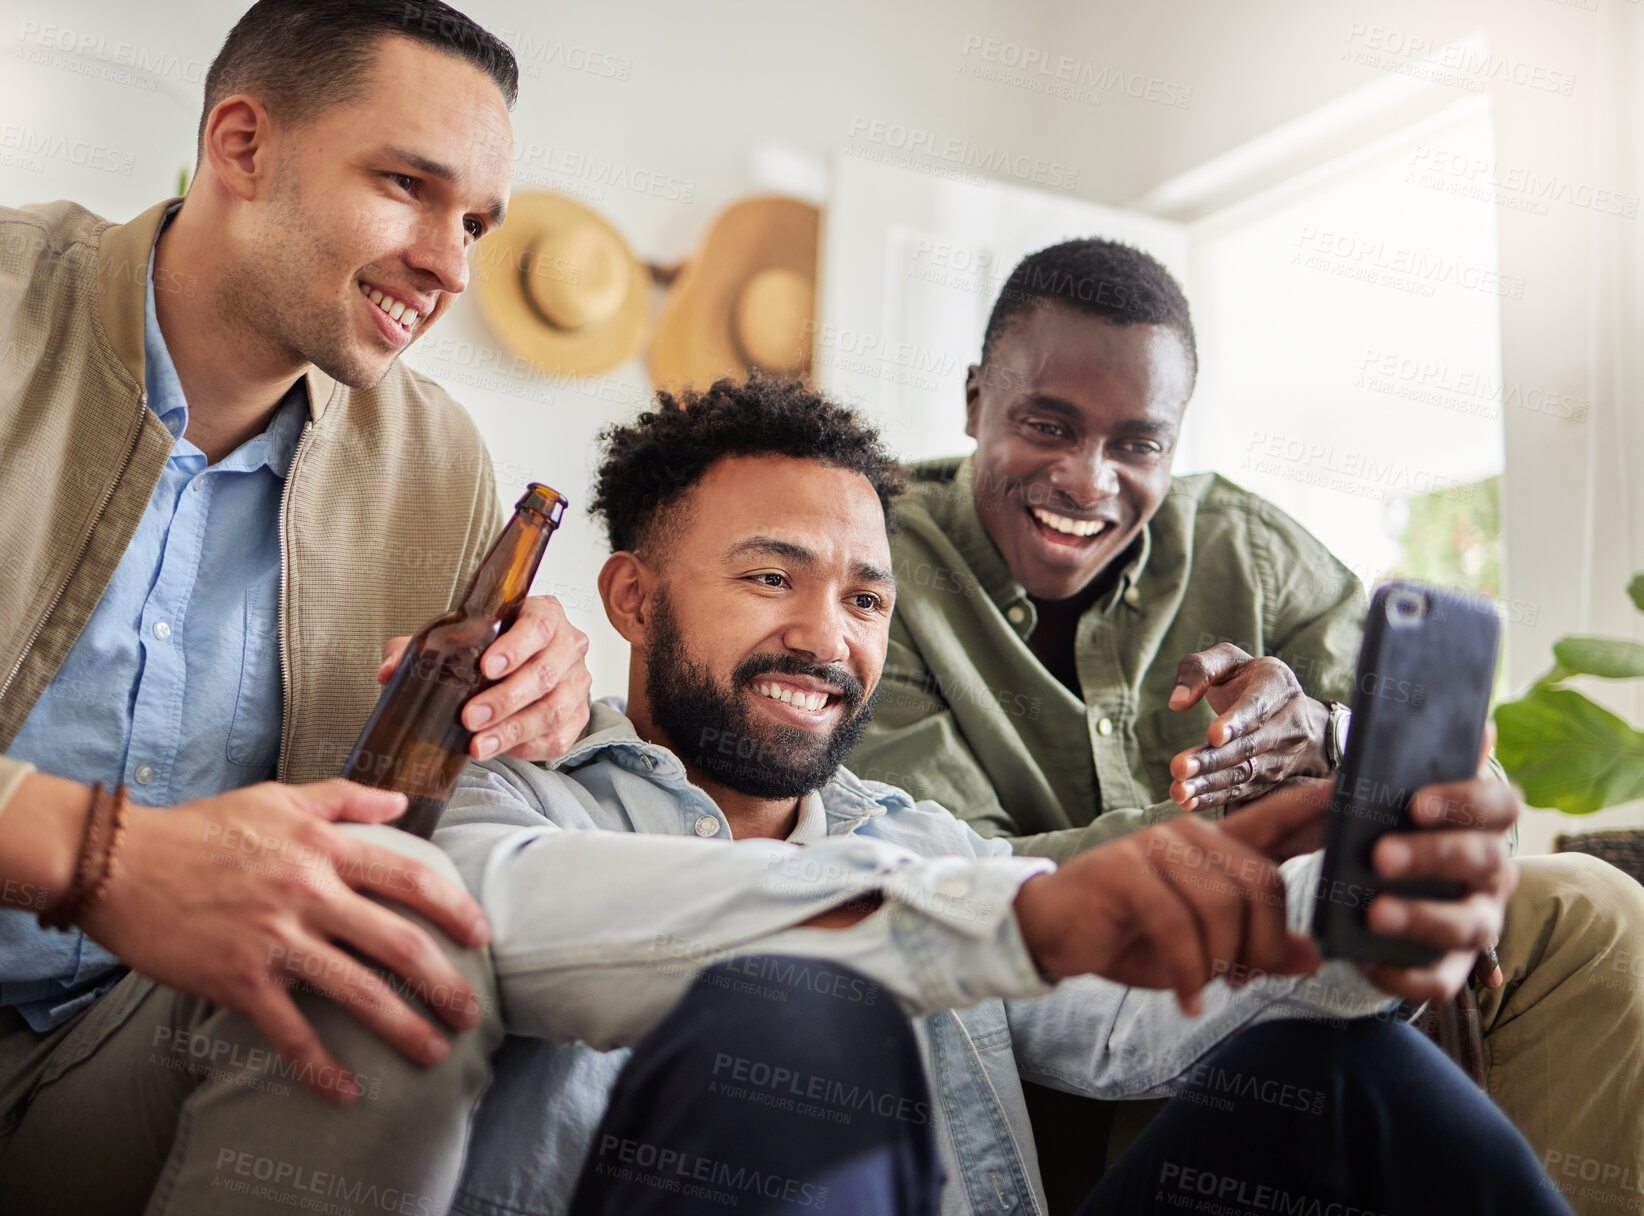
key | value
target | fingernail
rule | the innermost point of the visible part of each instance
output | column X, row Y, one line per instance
column 1191, row 764
column 1393, row 917
column 487, row 747
column 480, row 931
column 435, row 1049
column 1392, row 856
column 495, row 664
column 479, row 715
column 1179, row 696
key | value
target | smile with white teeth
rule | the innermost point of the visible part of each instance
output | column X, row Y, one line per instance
column 407, row 317
column 798, row 698
column 1071, row 527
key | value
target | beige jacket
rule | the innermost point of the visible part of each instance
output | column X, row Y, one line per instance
column 389, row 503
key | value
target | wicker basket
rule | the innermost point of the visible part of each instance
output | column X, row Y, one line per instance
column 1624, row 850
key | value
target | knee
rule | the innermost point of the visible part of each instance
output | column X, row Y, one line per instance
column 1361, row 1073
column 474, row 964
column 407, row 845
column 807, row 1006
column 1320, row 1051
column 1578, row 898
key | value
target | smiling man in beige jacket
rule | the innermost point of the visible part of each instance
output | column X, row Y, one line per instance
column 214, row 477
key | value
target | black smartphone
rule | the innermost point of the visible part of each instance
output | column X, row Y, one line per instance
column 1420, row 698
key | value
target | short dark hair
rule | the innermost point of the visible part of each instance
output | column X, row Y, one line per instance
column 301, row 57
column 649, row 465
column 1099, row 278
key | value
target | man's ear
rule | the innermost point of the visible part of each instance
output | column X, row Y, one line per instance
column 973, row 397
column 237, row 138
column 626, row 585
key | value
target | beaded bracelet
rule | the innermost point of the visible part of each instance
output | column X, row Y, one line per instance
column 94, row 868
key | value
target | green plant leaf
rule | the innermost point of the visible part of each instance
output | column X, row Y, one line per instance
column 1636, row 590
column 1611, row 658
column 1566, row 752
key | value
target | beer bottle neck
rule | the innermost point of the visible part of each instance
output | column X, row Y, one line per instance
column 504, row 577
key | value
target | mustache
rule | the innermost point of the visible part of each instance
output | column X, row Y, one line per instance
column 850, row 688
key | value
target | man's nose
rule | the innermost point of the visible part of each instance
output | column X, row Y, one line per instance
column 1088, row 479
column 817, row 630
column 441, row 250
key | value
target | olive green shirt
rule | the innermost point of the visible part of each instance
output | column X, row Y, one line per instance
column 969, row 717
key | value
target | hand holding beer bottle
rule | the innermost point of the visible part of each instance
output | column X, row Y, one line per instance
column 414, row 741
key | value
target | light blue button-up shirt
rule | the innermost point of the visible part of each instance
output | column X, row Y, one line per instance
column 173, row 687
column 595, row 937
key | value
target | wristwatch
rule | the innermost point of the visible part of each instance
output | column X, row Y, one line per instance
column 1335, row 735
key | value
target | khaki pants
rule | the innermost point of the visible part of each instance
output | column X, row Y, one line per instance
column 150, row 1101
column 1564, row 1035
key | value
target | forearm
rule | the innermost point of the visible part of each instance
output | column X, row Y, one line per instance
column 597, row 934
column 41, row 823
column 1105, row 1040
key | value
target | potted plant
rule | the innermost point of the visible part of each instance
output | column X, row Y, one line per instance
column 1563, row 750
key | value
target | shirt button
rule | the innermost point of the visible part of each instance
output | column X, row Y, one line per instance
column 953, row 886
column 1105, row 726
column 162, row 630
column 1133, row 597
column 144, row 774
column 707, row 826
column 1016, row 613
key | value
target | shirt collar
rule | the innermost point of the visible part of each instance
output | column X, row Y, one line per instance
column 812, row 827
column 165, row 391
column 277, row 442
column 955, row 513
column 844, row 802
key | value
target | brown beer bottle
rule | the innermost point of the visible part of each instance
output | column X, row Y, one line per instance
column 415, row 741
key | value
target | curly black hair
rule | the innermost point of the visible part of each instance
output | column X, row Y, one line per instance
column 649, row 465
column 1099, row 278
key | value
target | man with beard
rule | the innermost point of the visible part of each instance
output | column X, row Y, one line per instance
column 751, row 579
column 1051, row 676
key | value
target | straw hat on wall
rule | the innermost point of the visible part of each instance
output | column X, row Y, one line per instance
column 561, row 287
column 746, row 301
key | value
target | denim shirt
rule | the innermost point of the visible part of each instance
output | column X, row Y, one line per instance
column 593, row 942
column 173, row 686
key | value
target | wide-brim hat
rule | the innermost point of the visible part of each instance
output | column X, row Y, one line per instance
column 561, row 288
column 746, row 301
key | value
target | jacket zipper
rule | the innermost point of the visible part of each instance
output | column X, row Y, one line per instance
column 285, row 584
column 102, row 507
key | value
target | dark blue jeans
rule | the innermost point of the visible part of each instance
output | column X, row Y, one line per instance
column 1360, row 1119
column 725, row 1107
column 779, row 1085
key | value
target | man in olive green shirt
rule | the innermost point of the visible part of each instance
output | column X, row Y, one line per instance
column 972, row 719
column 1066, row 609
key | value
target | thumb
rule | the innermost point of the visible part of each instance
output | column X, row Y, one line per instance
column 339, row 800
column 1265, row 823
column 1199, row 670
column 393, row 650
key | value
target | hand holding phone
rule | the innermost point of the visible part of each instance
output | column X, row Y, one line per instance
column 1460, row 837
column 1420, row 699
